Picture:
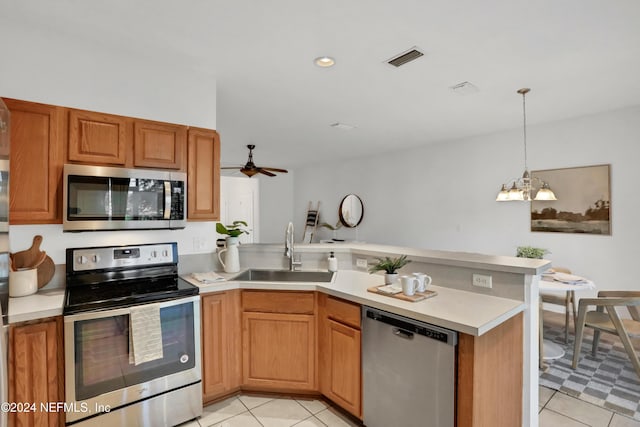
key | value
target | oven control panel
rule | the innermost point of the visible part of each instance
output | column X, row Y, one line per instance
column 123, row 256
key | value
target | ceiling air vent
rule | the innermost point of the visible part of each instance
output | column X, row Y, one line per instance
column 405, row 57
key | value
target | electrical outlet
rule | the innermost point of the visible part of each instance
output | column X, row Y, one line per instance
column 362, row 263
column 199, row 243
column 481, row 281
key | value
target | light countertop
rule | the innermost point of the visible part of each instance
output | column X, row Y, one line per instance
column 37, row 306
column 466, row 312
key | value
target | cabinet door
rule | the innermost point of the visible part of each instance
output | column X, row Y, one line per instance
column 35, row 362
column 98, row 138
column 203, row 175
column 343, row 376
column 159, row 145
column 36, row 162
column 221, row 344
column 278, row 351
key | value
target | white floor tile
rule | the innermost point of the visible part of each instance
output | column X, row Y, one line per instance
column 253, row 401
column 332, row 418
column 620, row 421
column 189, row 424
column 221, row 411
column 242, row 420
column 280, row 413
column 544, row 394
column 312, row 405
column 553, row 419
column 578, row 410
column 310, row 422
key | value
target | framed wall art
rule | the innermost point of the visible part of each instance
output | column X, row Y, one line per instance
column 583, row 205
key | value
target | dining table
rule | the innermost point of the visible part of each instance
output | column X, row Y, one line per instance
column 560, row 282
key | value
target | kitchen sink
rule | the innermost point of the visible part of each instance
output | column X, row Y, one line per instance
column 253, row 275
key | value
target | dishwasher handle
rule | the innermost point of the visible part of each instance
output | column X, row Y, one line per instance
column 401, row 333
column 407, row 328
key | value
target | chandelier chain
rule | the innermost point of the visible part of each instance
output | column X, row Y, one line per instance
column 524, row 129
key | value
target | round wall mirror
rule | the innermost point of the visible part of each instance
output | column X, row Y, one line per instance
column 351, row 211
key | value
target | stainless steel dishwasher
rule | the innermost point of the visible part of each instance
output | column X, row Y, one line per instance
column 408, row 370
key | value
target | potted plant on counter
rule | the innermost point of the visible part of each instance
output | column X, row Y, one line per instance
column 390, row 266
column 231, row 263
column 531, row 252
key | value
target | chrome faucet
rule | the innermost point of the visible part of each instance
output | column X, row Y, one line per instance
column 289, row 248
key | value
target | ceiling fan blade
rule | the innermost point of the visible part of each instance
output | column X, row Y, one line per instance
column 266, row 172
column 275, row 170
column 231, row 167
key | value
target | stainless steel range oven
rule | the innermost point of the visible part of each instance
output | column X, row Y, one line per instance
column 132, row 338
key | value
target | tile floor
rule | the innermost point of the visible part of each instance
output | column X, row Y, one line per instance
column 561, row 410
column 556, row 410
column 270, row 411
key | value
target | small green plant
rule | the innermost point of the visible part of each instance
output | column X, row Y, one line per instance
column 389, row 265
column 234, row 230
column 531, row 252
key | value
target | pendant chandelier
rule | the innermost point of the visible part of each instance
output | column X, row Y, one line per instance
column 520, row 189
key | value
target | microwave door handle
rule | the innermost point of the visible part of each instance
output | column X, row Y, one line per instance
column 167, row 200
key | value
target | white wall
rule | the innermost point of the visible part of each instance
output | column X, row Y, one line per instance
column 43, row 66
column 443, row 196
column 276, row 208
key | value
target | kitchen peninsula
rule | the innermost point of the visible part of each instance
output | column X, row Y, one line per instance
column 497, row 329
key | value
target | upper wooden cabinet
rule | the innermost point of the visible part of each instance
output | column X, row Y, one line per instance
column 203, row 175
column 159, row 145
column 45, row 137
column 98, row 138
column 38, row 133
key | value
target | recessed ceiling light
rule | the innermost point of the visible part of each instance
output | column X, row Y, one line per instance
column 324, row 61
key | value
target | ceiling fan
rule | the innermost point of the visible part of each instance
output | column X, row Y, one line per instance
column 250, row 168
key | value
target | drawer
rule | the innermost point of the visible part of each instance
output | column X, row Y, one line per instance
column 343, row 311
column 293, row 302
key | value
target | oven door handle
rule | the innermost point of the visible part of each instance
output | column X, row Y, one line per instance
column 126, row 310
column 167, row 200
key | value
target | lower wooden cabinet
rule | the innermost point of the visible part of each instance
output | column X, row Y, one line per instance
column 36, row 371
column 489, row 371
column 339, row 350
column 279, row 348
column 221, row 344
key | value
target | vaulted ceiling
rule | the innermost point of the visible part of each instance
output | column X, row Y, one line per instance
column 578, row 56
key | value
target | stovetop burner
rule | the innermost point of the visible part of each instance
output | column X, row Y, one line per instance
column 116, row 277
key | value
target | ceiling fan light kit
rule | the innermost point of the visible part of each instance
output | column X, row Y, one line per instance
column 250, row 169
column 520, row 189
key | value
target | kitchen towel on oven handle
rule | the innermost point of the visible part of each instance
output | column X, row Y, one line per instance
column 145, row 334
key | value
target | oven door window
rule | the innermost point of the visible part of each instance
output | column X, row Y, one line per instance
column 102, row 198
column 102, row 351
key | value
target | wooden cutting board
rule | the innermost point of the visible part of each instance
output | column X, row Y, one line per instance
column 45, row 271
column 418, row 296
column 30, row 257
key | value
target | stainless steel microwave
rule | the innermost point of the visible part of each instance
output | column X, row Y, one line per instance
column 109, row 198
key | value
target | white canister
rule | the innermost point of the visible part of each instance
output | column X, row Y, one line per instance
column 23, row 282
